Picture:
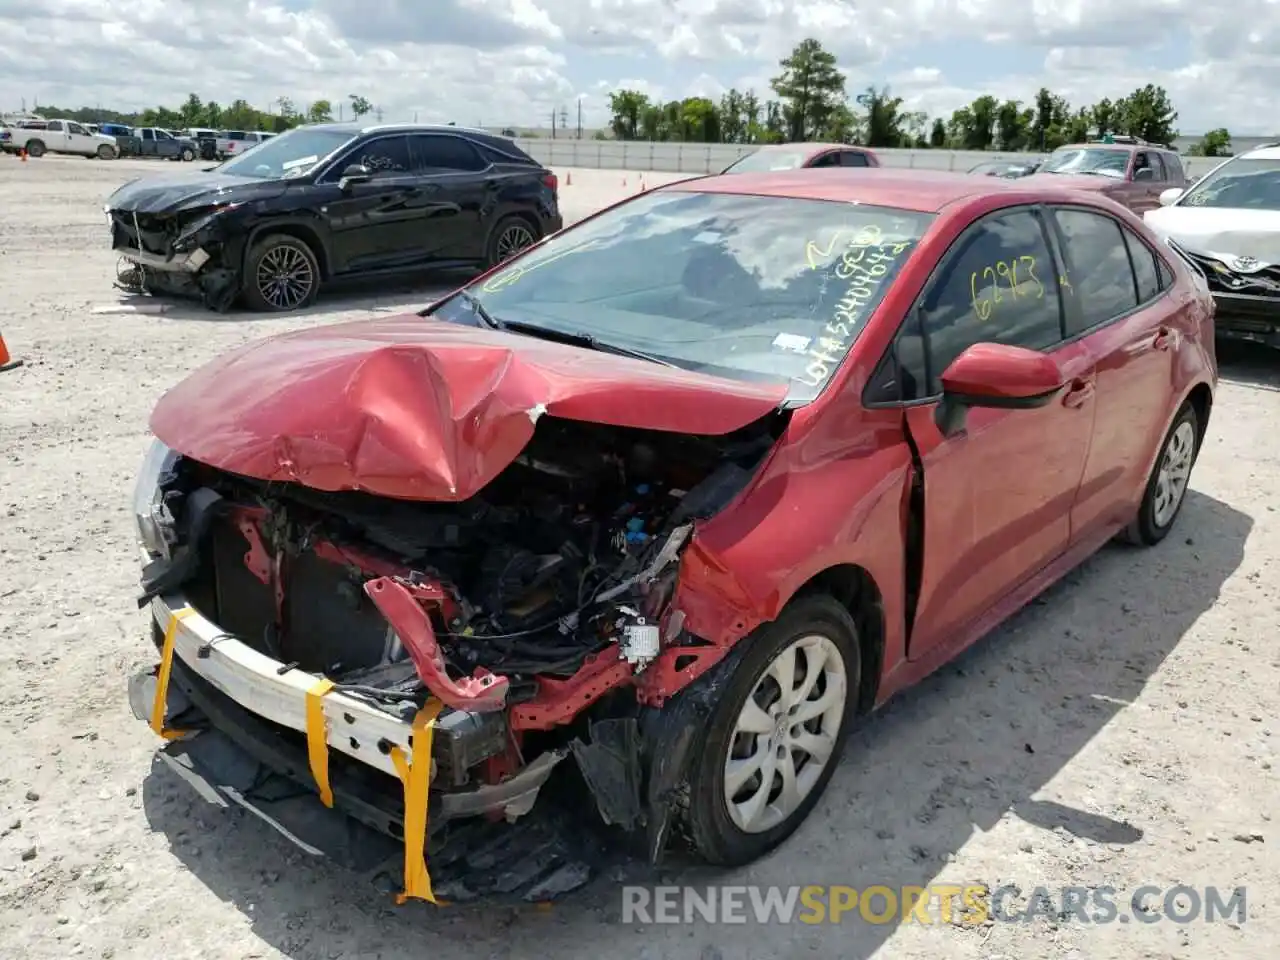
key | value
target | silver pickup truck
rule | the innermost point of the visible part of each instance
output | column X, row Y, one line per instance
column 232, row 143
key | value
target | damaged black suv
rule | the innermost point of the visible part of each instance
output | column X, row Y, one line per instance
column 331, row 201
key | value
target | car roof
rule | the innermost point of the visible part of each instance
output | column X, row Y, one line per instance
column 1268, row 152
column 809, row 148
column 354, row 128
column 924, row 191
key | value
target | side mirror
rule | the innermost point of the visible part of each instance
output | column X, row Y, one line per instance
column 1171, row 195
column 1145, row 174
column 355, row 173
column 998, row 376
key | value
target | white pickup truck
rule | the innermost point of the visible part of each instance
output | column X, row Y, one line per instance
column 232, row 143
column 63, row 136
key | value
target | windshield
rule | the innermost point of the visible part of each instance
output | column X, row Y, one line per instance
column 746, row 287
column 1110, row 163
column 289, row 155
column 1242, row 184
column 764, row 160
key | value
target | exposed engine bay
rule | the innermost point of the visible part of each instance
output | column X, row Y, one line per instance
column 524, row 608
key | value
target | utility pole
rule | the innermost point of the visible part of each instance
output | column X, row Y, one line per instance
column 579, row 118
column 377, row 112
column 553, row 124
column 564, row 118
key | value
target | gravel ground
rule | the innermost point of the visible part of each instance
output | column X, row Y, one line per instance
column 1122, row 731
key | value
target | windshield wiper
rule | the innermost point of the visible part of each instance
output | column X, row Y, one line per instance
column 580, row 340
column 472, row 301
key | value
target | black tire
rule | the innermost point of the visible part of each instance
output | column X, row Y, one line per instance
column 188, row 154
column 285, row 252
column 505, row 230
column 716, row 837
column 1149, row 527
column 35, row 149
column 105, row 152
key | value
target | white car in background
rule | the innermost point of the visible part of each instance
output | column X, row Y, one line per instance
column 63, row 136
column 1228, row 225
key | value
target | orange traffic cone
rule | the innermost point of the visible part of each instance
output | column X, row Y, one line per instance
column 624, row 179
column 568, row 179
column 643, row 188
column 7, row 362
column 22, row 154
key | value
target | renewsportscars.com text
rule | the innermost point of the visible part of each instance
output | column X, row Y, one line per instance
column 972, row 904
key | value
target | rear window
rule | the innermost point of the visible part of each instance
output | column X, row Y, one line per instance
column 755, row 288
column 763, row 161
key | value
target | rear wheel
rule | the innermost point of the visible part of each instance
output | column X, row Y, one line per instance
column 1167, row 486
column 511, row 236
column 35, row 148
column 281, row 274
column 776, row 734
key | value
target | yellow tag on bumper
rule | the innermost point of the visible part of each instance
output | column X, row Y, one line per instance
column 416, row 777
column 162, row 677
column 318, row 739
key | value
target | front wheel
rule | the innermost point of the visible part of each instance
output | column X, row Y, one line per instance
column 1167, row 486
column 106, row 153
column 511, row 236
column 281, row 274
column 188, row 154
column 776, row 734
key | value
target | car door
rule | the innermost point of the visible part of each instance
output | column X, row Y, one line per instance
column 998, row 495
column 1116, row 309
column 147, row 138
column 1142, row 192
column 459, row 193
column 374, row 225
column 166, row 146
column 56, row 139
column 79, row 140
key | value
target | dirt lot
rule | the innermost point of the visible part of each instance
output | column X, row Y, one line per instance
column 1121, row 732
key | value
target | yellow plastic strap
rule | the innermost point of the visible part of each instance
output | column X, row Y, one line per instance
column 416, row 777
column 162, row 678
column 318, row 739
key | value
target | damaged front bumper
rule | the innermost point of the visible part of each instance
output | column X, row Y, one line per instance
column 167, row 255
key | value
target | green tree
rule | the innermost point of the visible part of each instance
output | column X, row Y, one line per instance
column 193, row 112
column 359, row 105
column 320, row 112
column 733, row 117
column 1215, row 143
column 628, row 108
column 811, row 87
column 1104, row 117
column 1013, row 125
column 938, row 135
column 699, row 120
column 884, row 118
column 1148, row 115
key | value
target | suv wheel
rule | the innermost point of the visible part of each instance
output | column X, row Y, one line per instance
column 281, row 274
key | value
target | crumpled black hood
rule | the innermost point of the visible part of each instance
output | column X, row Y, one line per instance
column 174, row 194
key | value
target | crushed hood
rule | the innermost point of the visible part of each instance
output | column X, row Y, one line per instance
column 1223, row 234
column 422, row 409
column 171, row 194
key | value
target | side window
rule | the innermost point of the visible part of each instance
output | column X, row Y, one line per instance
column 443, row 154
column 1157, row 164
column 1099, row 277
column 1142, row 167
column 162, row 135
column 55, row 126
column 852, row 158
column 235, row 135
column 76, row 128
column 148, row 134
column 997, row 284
column 1145, row 271
column 827, row 160
column 385, row 156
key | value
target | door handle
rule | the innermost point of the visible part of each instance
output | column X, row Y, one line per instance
column 1164, row 339
column 1078, row 393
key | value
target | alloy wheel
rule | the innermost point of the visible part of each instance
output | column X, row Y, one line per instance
column 285, row 277
column 785, row 734
column 1175, row 470
column 512, row 240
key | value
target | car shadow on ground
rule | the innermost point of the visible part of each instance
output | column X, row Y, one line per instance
column 397, row 294
column 968, row 747
column 1249, row 365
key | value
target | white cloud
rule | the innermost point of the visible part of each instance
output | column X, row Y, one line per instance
column 512, row 62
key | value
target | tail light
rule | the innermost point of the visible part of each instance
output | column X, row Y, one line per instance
column 549, row 179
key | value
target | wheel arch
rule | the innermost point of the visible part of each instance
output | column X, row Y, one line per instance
column 853, row 587
column 299, row 230
column 1201, row 400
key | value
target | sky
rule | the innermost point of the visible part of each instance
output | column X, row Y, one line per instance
column 515, row 62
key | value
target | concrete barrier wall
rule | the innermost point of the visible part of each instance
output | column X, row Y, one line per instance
column 700, row 158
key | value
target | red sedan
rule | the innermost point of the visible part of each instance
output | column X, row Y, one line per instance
column 796, row 156
column 670, row 498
